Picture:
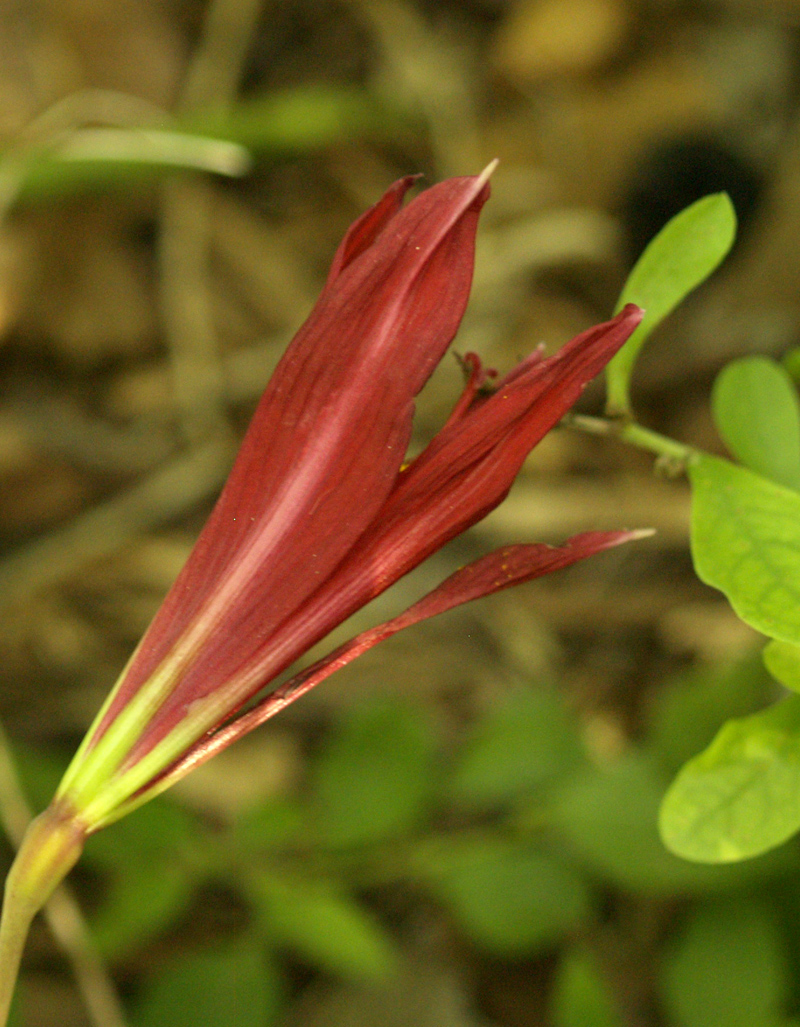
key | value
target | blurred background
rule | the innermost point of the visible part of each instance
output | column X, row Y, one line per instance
column 460, row 829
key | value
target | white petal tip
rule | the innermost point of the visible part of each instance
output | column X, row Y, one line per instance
column 487, row 172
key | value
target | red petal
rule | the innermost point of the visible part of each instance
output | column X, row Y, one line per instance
column 363, row 232
column 530, row 400
column 325, row 444
column 465, row 472
column 509, row 566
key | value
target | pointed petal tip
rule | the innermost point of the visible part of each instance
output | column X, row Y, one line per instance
column 487, row 172
column 636, row 533
column 609, row 539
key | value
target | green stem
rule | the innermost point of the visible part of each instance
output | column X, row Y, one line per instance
column 49, row 850
column 654, row 442
column 636, row 435
column 14, row 927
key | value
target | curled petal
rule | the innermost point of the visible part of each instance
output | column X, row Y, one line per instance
column 501, row 569
column 477, row 378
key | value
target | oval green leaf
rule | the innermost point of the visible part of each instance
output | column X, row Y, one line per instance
column 740, row 797
column 511, row 900
column 782, row 660
column 727, row 968
column 757, row 413
column 235, row 985
column 683, row 254
column 528, row 740
column 746, row 542
column 323, row 925
column 373, row 779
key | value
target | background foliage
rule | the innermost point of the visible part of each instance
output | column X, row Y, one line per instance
column 462, row 829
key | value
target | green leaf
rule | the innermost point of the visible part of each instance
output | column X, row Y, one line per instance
column 782, row 660
column 741, row 796
column 160, row 828
column 324, row 926
column 610, row 819
column 526, row 741
column 727, row 969
column 151, row 879
column 373, row 778
column 99, row 158
column 230, row 986
column 299, row 119
column 757, row 413
column 581, row 998
column 746, row 542
column 692, row 706
column 683, row 254
column 269, row 825
column 140, row 901
column 510, row 900
column 791, row 362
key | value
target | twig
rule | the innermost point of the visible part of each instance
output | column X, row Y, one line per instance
column 186, row 309
column 428, row 68
column 62, row 912
column 167, row 493
column 185, row 238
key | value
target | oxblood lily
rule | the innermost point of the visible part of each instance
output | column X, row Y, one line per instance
column 320, row 514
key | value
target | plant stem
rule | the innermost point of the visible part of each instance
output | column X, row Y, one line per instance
column 49, row 850
column 66, row 922
column 14, row 927
column 62, row 913
column 636, row 435
column 661, row 445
